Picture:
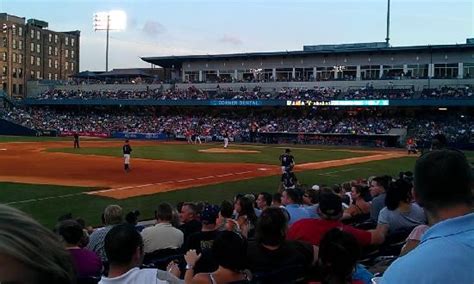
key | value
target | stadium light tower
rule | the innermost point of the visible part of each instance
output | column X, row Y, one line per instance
column 387, row 39
column 109, row 21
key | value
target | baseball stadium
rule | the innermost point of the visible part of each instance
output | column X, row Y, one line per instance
column 304, row 130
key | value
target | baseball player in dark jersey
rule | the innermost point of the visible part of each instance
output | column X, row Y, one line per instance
column 288, row 180
column 76, row 140
column 226, row 139
column 287, row 161
column 127, row 150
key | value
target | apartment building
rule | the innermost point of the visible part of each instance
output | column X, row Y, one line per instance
column 30, row 51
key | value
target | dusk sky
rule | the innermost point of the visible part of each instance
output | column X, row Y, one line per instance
column 183, row 27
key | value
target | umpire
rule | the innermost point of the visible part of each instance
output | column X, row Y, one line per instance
column 76, row 140
column 127, row 150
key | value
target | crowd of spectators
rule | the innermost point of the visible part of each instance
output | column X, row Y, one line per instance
column 313, row 94
column 301, row 234
column 369, row 125
column 369, row 93
column 457, row 128
column 148, row 121
column 155, row 94
column 446, row 92
column 193, row 93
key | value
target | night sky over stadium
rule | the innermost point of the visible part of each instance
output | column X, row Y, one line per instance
column 182, row 27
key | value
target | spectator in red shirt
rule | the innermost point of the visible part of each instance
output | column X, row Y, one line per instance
column 330, row 210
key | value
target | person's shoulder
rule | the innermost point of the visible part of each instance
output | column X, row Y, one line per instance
column 201, row 278
column 417, row 207
column 384, row 212
column 147, row 230
column 305, row 222
column 417, row 267
column 176, row 230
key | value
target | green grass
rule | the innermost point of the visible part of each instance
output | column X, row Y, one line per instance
column 13, row 192
column 30, row 139
column 49, row 207
column 170, row 152
column 90, row 207
column 470, row 156
column 5, row 138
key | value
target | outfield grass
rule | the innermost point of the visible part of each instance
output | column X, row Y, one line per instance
column 183, row 152
column 4, row 138
column 30, row 139
column 90, row 207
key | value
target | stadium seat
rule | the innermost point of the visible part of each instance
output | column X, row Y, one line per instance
column 367, row 225
column 357, row 220
column 161, row 258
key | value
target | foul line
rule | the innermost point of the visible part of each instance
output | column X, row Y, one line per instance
column 95, row 192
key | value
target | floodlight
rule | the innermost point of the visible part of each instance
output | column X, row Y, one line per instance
column 109, row 21
column 115, row 20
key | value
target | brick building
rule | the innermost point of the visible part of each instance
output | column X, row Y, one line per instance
column 30, row 51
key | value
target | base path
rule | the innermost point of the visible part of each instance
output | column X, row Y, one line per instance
column 27, row 162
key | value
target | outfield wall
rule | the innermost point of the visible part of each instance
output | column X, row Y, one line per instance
column 10, row 128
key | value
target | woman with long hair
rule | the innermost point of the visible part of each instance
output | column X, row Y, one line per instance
column 245, row 216
column 30, row 253
column 400, row 213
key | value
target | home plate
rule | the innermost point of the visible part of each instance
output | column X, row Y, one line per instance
column 262, row 169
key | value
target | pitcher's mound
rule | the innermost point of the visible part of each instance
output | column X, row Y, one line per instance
column 228, row 151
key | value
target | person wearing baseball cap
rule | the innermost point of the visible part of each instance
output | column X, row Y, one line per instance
column 202, row 240
column 330, row 210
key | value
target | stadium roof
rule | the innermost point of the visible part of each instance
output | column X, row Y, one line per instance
column 130, row 72
column 169, row 61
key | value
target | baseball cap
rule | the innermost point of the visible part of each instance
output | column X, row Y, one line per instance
column 330, row 204
column 209, row 214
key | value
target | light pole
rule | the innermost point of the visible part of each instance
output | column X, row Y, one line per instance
column 109, row 21
column 387, row 38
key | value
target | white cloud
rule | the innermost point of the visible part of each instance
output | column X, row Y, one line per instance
column 153, row 28
column 234, row 40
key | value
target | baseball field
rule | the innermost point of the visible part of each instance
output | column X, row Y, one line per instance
column 47, row 178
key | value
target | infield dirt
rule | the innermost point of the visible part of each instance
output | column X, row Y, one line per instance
column 28, row 162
